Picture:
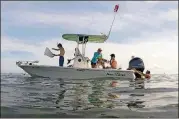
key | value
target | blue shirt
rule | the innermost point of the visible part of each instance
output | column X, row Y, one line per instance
column 96, row 56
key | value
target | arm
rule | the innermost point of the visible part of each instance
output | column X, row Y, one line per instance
column 56, row 54
column 105, row 60
column 55, row 49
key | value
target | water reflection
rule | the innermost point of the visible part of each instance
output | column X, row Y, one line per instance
column 83, row 95
column 22, row 95
column 137, row 101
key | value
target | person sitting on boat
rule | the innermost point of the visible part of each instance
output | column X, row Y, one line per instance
column 96, row 58
column 113, row 62
column 61, row 55
column 101, row 62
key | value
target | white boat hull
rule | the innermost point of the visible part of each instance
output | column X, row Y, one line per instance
column 75, row 73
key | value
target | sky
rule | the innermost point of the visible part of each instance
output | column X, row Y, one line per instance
column 146, row 29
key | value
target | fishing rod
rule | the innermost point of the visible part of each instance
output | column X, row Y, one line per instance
column 115, row 12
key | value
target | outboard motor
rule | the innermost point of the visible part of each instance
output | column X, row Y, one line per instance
column 138, row 64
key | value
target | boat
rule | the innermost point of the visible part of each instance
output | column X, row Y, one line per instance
column 80, row 69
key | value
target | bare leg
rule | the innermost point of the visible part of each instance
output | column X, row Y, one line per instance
column 103, row 65
column 93, row 66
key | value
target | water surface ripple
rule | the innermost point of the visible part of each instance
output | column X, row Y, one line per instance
column 23, row 96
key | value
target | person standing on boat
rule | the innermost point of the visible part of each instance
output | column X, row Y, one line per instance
column 61, row 55
column 97, row 55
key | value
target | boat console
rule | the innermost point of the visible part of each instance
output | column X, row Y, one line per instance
column 80, row 61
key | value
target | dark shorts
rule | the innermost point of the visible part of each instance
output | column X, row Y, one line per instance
column 93, row 63
column 61, row 61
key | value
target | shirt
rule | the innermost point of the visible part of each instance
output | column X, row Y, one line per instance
column 96, row 56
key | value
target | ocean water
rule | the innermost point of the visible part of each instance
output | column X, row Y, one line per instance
column 23, row 96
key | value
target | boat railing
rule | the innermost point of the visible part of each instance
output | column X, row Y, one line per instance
column 26, row 62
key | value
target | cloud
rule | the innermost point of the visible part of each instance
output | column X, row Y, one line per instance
column 126, row 27
column 171, row 15
column 96, row 21
column 146, row 29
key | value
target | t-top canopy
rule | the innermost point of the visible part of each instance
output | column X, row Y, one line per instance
column 91, row 38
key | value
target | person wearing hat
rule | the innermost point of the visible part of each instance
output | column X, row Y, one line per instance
column 113, row 62
column 61, row 55
column 96, row 57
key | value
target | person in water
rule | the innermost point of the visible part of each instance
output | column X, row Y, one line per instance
column 113, row 62
column 147, row 74
column 97, row 57
column 61, row 55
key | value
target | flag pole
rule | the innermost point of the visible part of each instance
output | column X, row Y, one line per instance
column 115, row 12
